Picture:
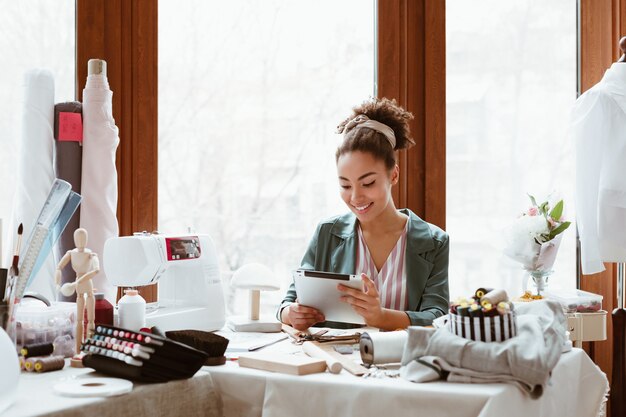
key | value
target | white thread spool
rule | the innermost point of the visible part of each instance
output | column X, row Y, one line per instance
column 132, row 311
column 494, row 297
column 382, row 347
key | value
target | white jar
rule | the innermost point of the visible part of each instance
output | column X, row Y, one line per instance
column 131, row 311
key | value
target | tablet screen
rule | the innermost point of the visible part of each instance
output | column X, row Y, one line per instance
column 318, row 289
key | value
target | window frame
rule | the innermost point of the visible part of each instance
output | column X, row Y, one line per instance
column 124, row 33
column 411, row 58
column 410, row 68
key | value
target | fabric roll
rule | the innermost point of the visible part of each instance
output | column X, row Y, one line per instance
column 382, row 347
column 35, row 167
column 68, row 135
column 99, row 175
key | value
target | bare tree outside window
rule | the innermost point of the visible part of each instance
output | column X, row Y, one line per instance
column 250, row 94
column 511, row 82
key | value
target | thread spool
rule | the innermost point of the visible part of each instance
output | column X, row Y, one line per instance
column 463, row 311
column 132, row 311
column 97, row 67
column 494, row 297
column 480, row 293
column 314, row 351
column 37, row 349
column 503, row 308
column 50, row 363
column 103, row 310
column 475, row 311
column 382, row 347
column 29, row 364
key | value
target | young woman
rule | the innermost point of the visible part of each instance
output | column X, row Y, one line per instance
column 402, row 260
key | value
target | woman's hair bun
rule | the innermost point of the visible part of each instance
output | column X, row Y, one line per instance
column 388, row 112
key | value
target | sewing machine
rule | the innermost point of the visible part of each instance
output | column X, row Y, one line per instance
column 186, row 267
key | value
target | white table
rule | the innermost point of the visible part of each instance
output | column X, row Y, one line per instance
column 187, row 398
column 577, row 388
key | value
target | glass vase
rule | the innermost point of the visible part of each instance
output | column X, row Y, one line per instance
column 537, row 283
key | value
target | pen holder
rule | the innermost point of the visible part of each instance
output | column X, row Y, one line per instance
column 140, row 356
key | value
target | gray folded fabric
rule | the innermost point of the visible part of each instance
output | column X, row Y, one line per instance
column 525, row 360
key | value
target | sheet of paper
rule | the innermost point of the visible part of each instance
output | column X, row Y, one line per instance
column 250, row 341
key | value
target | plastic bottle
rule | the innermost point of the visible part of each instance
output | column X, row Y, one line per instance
column 132, row 311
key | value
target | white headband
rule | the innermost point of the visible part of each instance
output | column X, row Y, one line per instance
column 363, row 121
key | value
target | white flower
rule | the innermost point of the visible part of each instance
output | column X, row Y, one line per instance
column 529, row 227
column 533, row 239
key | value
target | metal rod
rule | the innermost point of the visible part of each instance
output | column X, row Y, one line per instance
column 620, row 285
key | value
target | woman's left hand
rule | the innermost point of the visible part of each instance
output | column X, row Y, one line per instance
column 366, row 303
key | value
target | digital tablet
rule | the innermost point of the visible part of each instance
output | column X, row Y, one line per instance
column 319, row 290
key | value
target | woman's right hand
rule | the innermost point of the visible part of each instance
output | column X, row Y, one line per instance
column 301, row 317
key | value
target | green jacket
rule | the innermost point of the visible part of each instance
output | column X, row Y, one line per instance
column 333, row 249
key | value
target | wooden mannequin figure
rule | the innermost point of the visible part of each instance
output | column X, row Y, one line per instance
column 85, row 263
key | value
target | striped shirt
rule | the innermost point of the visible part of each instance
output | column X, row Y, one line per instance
column 390, row 281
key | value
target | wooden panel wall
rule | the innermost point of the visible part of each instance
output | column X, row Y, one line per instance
column 411, row 69
column 124, row 33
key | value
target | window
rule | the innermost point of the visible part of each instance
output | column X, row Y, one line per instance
column 33, row 34
column 249, row 97
column 511, row 82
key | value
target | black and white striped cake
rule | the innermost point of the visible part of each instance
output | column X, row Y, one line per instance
column 487, row 316
column 485, row 329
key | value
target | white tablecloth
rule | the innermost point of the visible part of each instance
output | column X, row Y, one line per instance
column 577, row 388
column 187, row 398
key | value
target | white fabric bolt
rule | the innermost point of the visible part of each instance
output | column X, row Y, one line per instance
column 383, row 347
column 99, row 175
column 35, row 168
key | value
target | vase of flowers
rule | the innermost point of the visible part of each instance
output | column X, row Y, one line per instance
column 534, row 239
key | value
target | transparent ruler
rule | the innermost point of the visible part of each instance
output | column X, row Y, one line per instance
column 55, row 214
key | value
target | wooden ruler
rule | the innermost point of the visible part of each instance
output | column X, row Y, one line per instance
column 347, row 361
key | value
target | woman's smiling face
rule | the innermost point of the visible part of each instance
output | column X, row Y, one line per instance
column 365, row 184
